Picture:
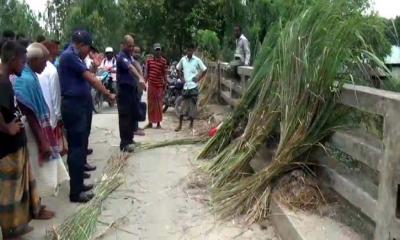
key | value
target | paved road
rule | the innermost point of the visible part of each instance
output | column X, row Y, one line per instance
column 163, row 197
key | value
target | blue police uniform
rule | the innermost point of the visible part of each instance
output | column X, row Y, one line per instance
column 128, row 102
column 76, row 110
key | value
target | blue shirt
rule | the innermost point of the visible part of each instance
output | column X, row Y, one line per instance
column 123, row 74
column 70, row 71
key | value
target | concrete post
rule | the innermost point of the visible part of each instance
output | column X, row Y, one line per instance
column 387, row 194
column 218, row 72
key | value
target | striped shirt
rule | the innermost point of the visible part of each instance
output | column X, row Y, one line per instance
column 156, row 70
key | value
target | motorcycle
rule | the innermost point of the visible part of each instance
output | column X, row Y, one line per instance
column 173, row 95
column 97, row 97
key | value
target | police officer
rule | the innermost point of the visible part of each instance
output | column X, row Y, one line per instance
column 76, row 108
column 129, row 79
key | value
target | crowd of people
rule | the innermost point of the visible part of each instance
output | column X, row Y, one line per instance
column 46, row 113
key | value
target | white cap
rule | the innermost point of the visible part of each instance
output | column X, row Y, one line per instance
column 109, row 49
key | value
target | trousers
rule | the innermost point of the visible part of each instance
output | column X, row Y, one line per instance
column 128, row 113
column 77, row 117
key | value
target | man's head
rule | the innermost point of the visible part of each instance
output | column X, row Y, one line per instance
column 82, row 41
column 20, row 36
column 137, row 53
column 9, row 35
column 109, row 53
column 128, row 44
column 53, row 49
column 24, row 42
column 37, row 56
column 13, row 57
column 190, row 50
column 157, row 50
column 238, row 31
column 40, row 38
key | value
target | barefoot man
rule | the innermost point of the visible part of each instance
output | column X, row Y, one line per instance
column 156, row 78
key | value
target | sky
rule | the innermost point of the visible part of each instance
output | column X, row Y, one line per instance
column 385, row 8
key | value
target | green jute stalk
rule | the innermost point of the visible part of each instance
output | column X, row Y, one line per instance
column 310, row 52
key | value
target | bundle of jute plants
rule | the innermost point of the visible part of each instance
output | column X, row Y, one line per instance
column 232, row 163
column 82, row 224
column 208, row 89
column 310, row 52
column 174, row 142
column 240, row 115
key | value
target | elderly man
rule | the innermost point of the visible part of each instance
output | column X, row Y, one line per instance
column 129, row 81
column 156, row 79
column 44, row 150
column 76, row 109
column 194, row 71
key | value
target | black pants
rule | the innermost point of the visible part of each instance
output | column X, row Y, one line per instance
column 77, row 118
column 128, row 112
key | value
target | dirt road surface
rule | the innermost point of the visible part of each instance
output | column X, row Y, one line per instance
column 163, row 197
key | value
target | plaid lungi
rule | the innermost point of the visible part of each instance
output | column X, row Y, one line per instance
column 189, row 107
column 19, row 199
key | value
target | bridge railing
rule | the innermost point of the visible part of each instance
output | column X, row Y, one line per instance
column 374, row 192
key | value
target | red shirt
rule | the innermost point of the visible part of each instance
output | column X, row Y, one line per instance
column 156, row 69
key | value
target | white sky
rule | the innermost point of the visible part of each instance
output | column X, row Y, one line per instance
column 385, row 8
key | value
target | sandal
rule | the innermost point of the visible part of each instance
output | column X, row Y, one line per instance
column 45, row 214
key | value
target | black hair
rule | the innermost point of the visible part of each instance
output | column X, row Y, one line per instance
column 20, row 36
column 24, row 42
column 11, row 50
column 9, row 34
column 40, row 38
column 56, row 42
column 239, row 27
column 191, row 46
column 2, row 41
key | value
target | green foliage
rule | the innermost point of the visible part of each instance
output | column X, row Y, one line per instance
column 101, row 18
column 55, row 16
column 374, row 27
column 17, row 16
column 209, row 43
column 303, row 63
column 393, row 30
column 174, row 24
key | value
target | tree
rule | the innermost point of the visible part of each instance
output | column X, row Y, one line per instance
column 209, row 43
column 393, row 30
column 17, row 16
column 55, row 16
column 172, row 23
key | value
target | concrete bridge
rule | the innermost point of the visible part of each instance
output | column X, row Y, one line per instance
column 373, row 189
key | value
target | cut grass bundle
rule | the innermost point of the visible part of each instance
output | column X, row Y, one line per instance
column 308, row 55
column 82, row 224
column 184, row 141
column 241, row 114
column 208, row 89
column 232, row 163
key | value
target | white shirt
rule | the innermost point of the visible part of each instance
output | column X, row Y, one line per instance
column 88, row 62
column 191, row 68
column 50, row 85
column 243, row 50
